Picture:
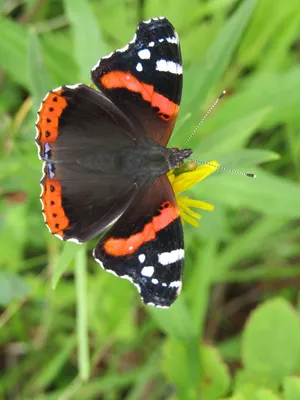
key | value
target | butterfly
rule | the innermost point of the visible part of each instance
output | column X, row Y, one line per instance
column 105, row 162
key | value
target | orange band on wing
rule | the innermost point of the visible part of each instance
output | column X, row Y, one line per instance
column 54, row 213
column 49, row 113
column 119, row 79
column 123, row 247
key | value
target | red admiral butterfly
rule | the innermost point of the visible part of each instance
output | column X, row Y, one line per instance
column 105, row 162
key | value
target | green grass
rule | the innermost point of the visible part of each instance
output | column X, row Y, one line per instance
column 68, row 330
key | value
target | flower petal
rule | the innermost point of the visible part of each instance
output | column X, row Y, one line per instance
column 186, row 180
column 196, row 203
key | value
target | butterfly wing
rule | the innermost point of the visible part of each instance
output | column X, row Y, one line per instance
column 144, row 79
column 80, row 134
column 145, row 246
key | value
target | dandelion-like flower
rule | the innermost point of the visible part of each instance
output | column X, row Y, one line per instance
column 183, row 179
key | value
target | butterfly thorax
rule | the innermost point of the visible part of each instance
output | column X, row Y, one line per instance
column 151, row 161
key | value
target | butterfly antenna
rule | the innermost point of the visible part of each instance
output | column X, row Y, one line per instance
column 226, row 169
column 205, row 116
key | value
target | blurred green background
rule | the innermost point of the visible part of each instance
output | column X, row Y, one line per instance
column 68, row 330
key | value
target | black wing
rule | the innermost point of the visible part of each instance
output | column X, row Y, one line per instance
column 144, row 79
column 145, row 245
column 79, row 135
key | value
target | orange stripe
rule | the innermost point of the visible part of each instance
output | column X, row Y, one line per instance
column 47, row 125
column 123, row 247
column 51, row 198
column 120, row 80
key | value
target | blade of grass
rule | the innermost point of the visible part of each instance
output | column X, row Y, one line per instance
column 13, row 50
column 55, row 366
column 259, row 273
column 88, row 44
column 269, row 194
column 232, row 136
column 82, row 318
column 39, row 80
column 198, row 291
column 201, row 77
column 175, row 321
column 64, row 260
column 249, row 243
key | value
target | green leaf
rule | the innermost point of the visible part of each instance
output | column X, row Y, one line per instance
column 198, row 290
column 13, row 50
column 215, row 62
column 39, row 80
column 232, row 136
column 253, row 45
column 55, row 365
column 246, row 385
column 265, row 394
column 291, row 388
column 175, row 321
column 267, row 193
column 246, row 158
column 88, row 45
column 270, row 342
column 177, row 367
column 59, row 58
column 230, row 349
column 251, row 243
column 12, row 287
column 238, row 396
column 279, row 91
column 215, row 378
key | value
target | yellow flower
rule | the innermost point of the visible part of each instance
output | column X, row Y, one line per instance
column 184, row 178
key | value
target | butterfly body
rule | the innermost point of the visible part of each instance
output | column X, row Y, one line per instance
column 105, row 162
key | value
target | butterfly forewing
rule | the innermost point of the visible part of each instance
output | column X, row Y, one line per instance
column 79, row 135
column 144, row 79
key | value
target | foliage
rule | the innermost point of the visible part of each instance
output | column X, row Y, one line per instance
column 71, row 331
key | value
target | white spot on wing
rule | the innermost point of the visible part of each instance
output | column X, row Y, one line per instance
column 154, row 281
column 147, row 271
column 151, row 44
column 142, row 258
column 172, row 40
column 175, row 284
column 139, row 67
column 170, row 257
column 168, row 66
column 144, row 54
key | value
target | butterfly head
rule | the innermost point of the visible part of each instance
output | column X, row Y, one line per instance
column 177, row 156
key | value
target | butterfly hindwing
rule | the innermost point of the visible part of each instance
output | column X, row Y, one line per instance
column 145, row 245
column 144, row 79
